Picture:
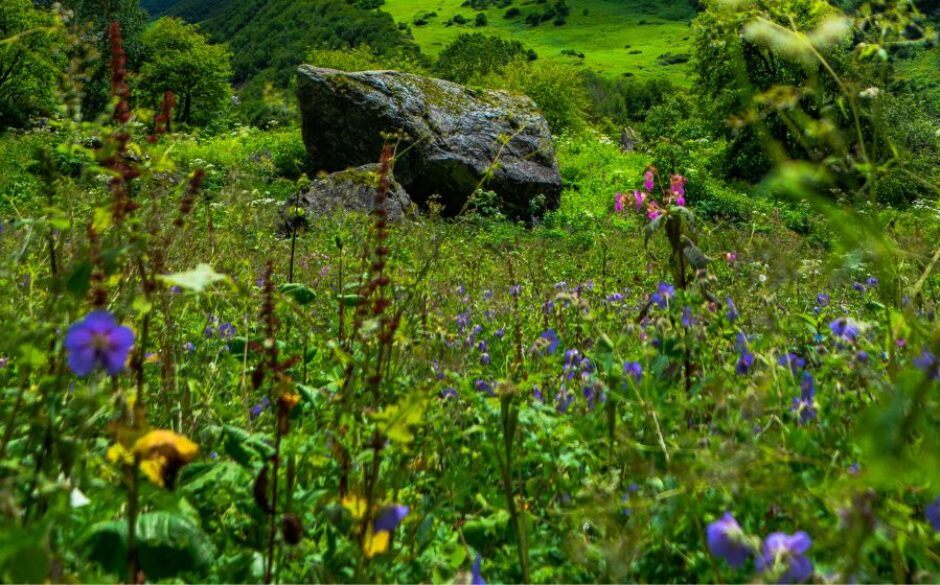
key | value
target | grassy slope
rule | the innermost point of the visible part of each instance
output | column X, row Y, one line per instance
column 601, row 35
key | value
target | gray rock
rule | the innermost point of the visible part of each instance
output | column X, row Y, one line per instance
column 349, row 190
column 452, row 136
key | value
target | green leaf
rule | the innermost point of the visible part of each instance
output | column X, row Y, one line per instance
column 243, row 446
column 301, row 294
column 196, row 280
column 168, row 544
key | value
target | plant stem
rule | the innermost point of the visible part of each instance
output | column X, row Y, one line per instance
column 132, row 498
column 272, row 536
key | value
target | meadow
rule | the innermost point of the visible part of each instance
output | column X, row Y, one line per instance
column 682, row 374
column 616, row 38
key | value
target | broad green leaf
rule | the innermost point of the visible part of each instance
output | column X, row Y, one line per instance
column 196, row 280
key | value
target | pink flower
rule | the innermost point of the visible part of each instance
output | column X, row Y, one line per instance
column 649, row 180
column 731, row 257
column 640, row 198
column 653, row 211
column 677, row 186
column 680, row 201
column 618, row 202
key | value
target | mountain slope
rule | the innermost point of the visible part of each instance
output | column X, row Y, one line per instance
column 270, row 37
column 645, row 38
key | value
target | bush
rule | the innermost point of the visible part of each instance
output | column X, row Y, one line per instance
column 563, row 103
column 473, row 56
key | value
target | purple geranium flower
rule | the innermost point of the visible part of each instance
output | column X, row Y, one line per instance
column 664, row 293
column 389, row 518
column 844, row 328
column 727, row 541
column 548, row 341
column 633, row 369
column 448, row 393
column 805, row 405
column 98, row 341
column 745, row 363
column 786, row 553
column 484, row 386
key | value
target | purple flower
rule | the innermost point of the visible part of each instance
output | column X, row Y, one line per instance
column 499, row 333
column 98, row 341
column 872, row 282
column 932, row 513
column 862, row 356
column 822, row 299
column 485, row 359
column 805, row 405
column 175, row 290
column 515, row 290
column 257, row 409
column 786, row 553
column 615, row 298
column 448, row 393
column 4, row 361
column 858, row 286
column 475, row 577
column 226, row 331
column 745, row 363
column 463, row 321
column 687, row 319
column 793, row 361
column 732, row 313
column 189, row 347
column 537, row 394
column 845, row 328
column 926, row 362
column 618, row 202
column 649, row 179
column 389, row 518
column 664, row 293
column 633, row 369
column 727, row 541
column 484, row 386
column 548, row 341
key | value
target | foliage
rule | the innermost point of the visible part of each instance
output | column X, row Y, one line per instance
column 473, row 56
column 31, row 44
column 179, row 60
column 751, row 397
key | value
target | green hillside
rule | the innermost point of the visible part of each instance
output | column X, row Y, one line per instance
column 271, row 37
column 616, row 37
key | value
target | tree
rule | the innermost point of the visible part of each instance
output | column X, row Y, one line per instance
column 96, row 17
column 473, row 56
column 29, row 43
column 181, row 60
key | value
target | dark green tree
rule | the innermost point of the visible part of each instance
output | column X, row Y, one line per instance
column 472, row 56
column 181, row 60
column 30, row 48
column 95, row 17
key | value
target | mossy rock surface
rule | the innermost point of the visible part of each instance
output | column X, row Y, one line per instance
column 350, row 190
column 454, row 139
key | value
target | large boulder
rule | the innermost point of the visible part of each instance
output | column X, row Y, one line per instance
column 349, row 190
column 454, row 139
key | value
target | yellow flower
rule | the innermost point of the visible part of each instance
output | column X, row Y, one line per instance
column 162, row 454
column 355, row 505
column 375, row 543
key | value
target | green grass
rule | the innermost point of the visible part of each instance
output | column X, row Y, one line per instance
column 649, row 28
